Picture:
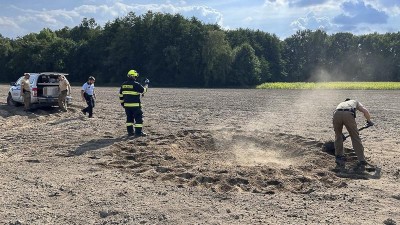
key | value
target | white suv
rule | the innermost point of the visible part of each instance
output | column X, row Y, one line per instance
column 44, row 89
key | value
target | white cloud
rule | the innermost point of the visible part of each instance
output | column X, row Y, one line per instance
column 391, row 7
column 248, row 19
column 10, row 28
column 312, row 21
column 204, row 13
column 8, row 23
column 275, row 3
column 47, row 19
column 86, row 9
column 385, row 3
column 46, row 16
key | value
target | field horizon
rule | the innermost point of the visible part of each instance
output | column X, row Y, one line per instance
column 338, row 85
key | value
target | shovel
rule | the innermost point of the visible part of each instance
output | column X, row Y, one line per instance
column 329, row 146
column 360, row 129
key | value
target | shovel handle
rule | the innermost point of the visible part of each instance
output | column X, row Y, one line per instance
column 360, row 129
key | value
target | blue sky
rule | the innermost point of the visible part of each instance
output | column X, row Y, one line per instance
column 280, row 17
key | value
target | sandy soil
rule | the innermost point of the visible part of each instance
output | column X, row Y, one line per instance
column 211, row 157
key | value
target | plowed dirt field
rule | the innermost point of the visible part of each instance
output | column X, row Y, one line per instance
column 212, row 156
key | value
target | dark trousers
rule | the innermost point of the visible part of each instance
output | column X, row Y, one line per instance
column 134, row 118
column 90, row 102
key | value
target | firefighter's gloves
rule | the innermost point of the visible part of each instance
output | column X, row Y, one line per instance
column 147, row 81
column 369, row 123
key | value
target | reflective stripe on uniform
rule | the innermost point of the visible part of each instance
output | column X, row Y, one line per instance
column 121, row 95
column 122, row 101
column 127, row 86
column 130, row 93
column 138, row 125
column 129, row 124
column 131, row 104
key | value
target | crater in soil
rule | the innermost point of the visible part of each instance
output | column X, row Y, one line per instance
column 226, row 160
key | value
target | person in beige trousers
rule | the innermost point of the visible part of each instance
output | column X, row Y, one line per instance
column 345, row 115
column 26, row 91
column 65, row 89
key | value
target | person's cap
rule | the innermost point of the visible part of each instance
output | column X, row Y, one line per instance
column 26, row 74
column 92, row 78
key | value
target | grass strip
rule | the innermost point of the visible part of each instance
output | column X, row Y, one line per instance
column 332, row 85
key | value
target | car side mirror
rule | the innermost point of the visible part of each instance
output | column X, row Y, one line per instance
column 12, row 83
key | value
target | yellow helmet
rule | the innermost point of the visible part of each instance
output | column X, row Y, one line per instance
column 133, row 73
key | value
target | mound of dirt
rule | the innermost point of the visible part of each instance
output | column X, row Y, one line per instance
column 225, row 161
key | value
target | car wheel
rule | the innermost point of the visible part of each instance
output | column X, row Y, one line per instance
column 10, row 101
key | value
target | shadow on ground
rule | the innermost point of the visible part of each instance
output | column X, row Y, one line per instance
column 7, row 111
column 95, row 145
column 371, row 171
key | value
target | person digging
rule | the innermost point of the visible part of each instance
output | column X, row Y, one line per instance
column 345, row 114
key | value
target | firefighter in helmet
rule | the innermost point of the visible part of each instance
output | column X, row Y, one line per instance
column 129, row 96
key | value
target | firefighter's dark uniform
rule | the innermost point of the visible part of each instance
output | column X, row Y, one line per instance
column 129, row 95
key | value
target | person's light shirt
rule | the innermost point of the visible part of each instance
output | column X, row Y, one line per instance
column 88, row 88
column 63, row 85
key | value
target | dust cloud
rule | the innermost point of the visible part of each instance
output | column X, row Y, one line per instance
column 251, row 154
column 305, row 114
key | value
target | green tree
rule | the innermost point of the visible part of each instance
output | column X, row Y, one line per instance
column 5, row 56
column 343, row 57
column 217, row 58
column 246, row 67
column 305, row 53
column 267, row 47
column 57, row 54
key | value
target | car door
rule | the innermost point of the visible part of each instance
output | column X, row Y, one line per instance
column 16, row 91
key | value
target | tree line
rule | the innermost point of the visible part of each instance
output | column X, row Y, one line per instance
column 175, row 51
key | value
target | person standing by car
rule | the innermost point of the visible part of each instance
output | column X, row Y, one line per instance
column 65, row 89
column 345, row 114
column 26, row 91
column 89, row 96
column 129, row 96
